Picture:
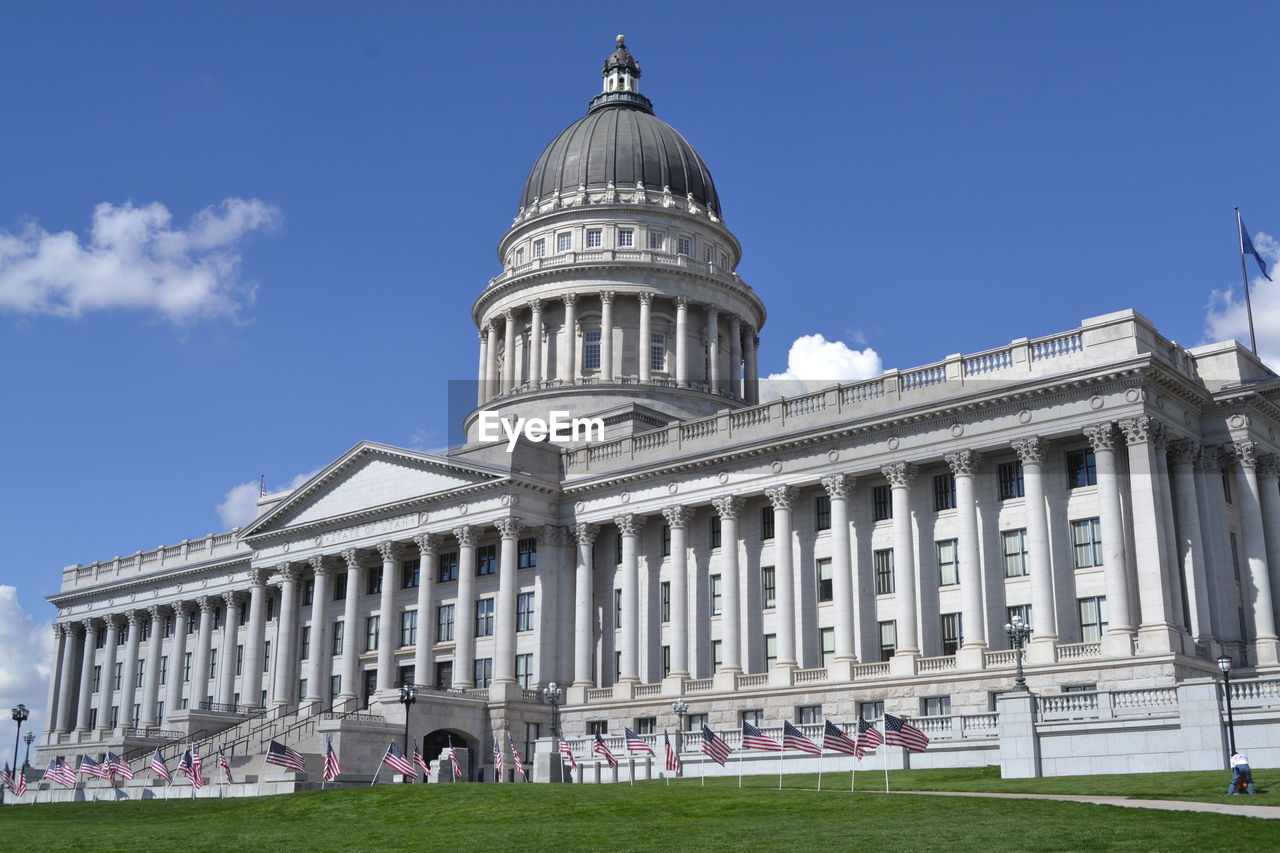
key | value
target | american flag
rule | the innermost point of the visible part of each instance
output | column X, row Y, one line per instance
column 225, row 765
column 6, row 778
column 869, row 737
column 20, row 787
column 419, row 760
column 835, row 739
column 635, row 743
column 331, row 766
column 713, row 746
column 196, row 765
column 453, row 760
column 601, row 749
column 898, row 732
column 497, row 760
column 793, row 738
column 568, row 753
column 187, row 766
column 673, row 760
column 59, row 771
column 753, row 738
column 515, row 757
column 159, row 768
column 89, row 767
column 283, row 756
column 118, row 766
column 395, row 759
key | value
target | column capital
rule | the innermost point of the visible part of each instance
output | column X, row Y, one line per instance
column 629, row 524
column 606, row 297
column 964, row 463
column 508, row 528
column 1143, row 428
column 133, row 618
column 258, row 577
column 288, row 572
column 645, row 297
column 233, row 599
column 1269, row 465
column 586, row 533
column 569, row 299
column 390, row 551
column 535, row 306
column 1101, row 436
column 838, row 486
column 1184, row 451
column 321, row 564
column 676, row 515
column 899, row 474
column 205, row 603
column 353, row 558
column 510, row 315
column 89, row 624
column 1245, row 453
column 781, row 496
column 1213, row 459
column 429, row 544
column 728, row 506
column 466, row 535
column 1031, row 450
column 551, row 534
column 682, row 303
column 179, row 609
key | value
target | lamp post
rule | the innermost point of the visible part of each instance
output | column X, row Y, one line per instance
column 408, row 695
column 681, row 708
column 552, row 694
column 27, row 739
column 1224, row 664
column 19, row 716
column 1019, row 632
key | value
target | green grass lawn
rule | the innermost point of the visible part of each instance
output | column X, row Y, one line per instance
column 652, row 816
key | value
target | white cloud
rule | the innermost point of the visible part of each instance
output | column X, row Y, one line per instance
column 26, row 663
column 134, row 259
column 1226, row 317
column 240, row 505
column 815, row 362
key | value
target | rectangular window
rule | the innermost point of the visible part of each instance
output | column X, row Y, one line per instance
column 766, row 523
column 339, row 593
column 715, row 531
column 1086, row 539
column 335, row 686
column 768, row 587
column 617, row 549
column 168, row 627
column 936, row 706
column 809, row 715
column 695, row 722
column 191, row 623
column 337, row 638
column 308, row 595
column 646, row 725
column 666, row 540
column 724, row 260
column 1081, row 469
column 444, row 674
column 444, row 623
column 666, row 661
column 1093, row 619
column 266, row 656
column 656, row 240
column 657, row 352
column 374, row 581
column 591, row 350
column 1011, row 481
column 138, row 674
column 664, row 597
column 410, row 574
column 186, row 670
column 1019, row 611
column 717, row 595
column 626, row 237
column 524, row 670
column 709, row 254
column 597, row 727
column 371, row 633
column 685, row 246
column 539, row 248
column 527, row 553
column 882, row 562
column 944, row 492
column 448, row 564
column 408, row 628
column 1235, row 556
column 524, row 611
column 948, row 566
column 825, row 590
column 770, row 650
column 717, row 655
column 484, row 617
column 951, row 637
column 115, row 713
column 593, row 238
column 881, row 503
column 486, row 560
column 1015, row 552
column 164, row 672
column 617, row 609
column 213, row 666
column 305, row 651
column 822, row 513
column 217, row 614
column 564, row 242
column 483, row 672
column 93, row 714
column 888, row 639
column 520, row 256
column 827, row 639
column 870, row 710
column 164, row 662
column 1226, row 486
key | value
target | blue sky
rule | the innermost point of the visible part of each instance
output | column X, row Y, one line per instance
column 915, row 179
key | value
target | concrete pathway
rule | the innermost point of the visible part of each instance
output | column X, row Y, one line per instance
column 1240, row 809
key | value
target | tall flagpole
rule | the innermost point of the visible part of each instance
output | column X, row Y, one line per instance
column 1244, row 275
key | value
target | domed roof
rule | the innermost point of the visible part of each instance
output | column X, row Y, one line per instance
column 621, row 141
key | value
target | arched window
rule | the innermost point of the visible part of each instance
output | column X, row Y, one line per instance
column 658, row 352
column 591, row 349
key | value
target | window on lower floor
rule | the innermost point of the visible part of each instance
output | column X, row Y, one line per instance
column 935, row 706
column 164, row 662
column 484, row 617
column 1081, row 469
column 597, row 727
column 444, row 674
column 1010, row 479
column 1015, row 552
column 882, row 562
column 373, row 585
column 888, row 639
column 115, row 716
column 486, row 560
column 1086, row 541
column 532, row 731
column 881, row 503
column 948, row 562
column 527, row 552
column 524, row 670
column 770, row 650
column 766, row 523
column 97, row 675
column 666, row 661
column 826, row 591
column 336, row 648
column 768, row 587
column 664, row 601
column 484, row 672
column 715, row 531
column 822, row 512
column 646, row 725
column 944, row 492
column 1021, row 611
column 1093, row 618
column 524, row 611
column 371, row 625
column 717, row 595
column 406, row 675
column 304, row 651
column 951, row 633
column 447, row 567
column 809, row 715
column 827, row 642
column 717, row 655
column 213, row 666
column 870, row 710
column 1079, row 688
column 408, row 628
column 695, row 722
column 617, row 665
column 410, row 574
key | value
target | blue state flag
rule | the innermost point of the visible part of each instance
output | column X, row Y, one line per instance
column 1246, row 248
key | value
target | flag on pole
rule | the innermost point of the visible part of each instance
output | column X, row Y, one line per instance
column 568, row 753
column 793, row 738
column 6, row 778
column 714, row 746
column 753, row 738
column 673, row 760
column 419, row 761
column 331, row 766
column 89, row 767
column 118, row 766
column 20, row 787
column 59, row 772
column 497, row 760
column 515, row 757
column 601, row 749
column 188, row 766
column 395, row 759
column 196, row 765
column 282, row 756
column 1246, row 248
column 453, row 760
column 834, row 739
column 159, row 768
column 225, row 765
column 635, row 743
column 898, row 732
column 869, row 737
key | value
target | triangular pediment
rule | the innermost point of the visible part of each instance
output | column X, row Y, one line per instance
column 369, row 477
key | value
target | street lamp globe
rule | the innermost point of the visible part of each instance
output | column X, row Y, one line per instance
column 1224, row 663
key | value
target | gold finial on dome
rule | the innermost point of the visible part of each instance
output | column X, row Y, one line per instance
column 621, row 39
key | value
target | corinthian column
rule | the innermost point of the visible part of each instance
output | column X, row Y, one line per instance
column 682, row 341
column 285, row 683
column 106, row 690
column 464, row 647
column 646, row 333
column 390, row 553
column 423, row 657
column 151, row 674
column 1044, row 621
column 318, row 655
column 509, row 353
column 782, row 498
column 200, row 660
column 1118, row 641
column 483, row 369
column 535, row 344
column 65, row 699
column 606, row 336
column 255, row 639
column 751, row 384
column 677, row 519
column 729, row 508
column 129, row 681
column 713, row 349
column 735, row 356
column 964, row 467
column 629, row 528
column 900, row 476
column 491, row 387
column 86, row 676
column 350, row 629
column 504, row 665
column 584, row 641
column 177, row 650
column 232, row 602
column 568, row 374
column 1258, row 590
column 1154, row 598
column 1184, row 454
